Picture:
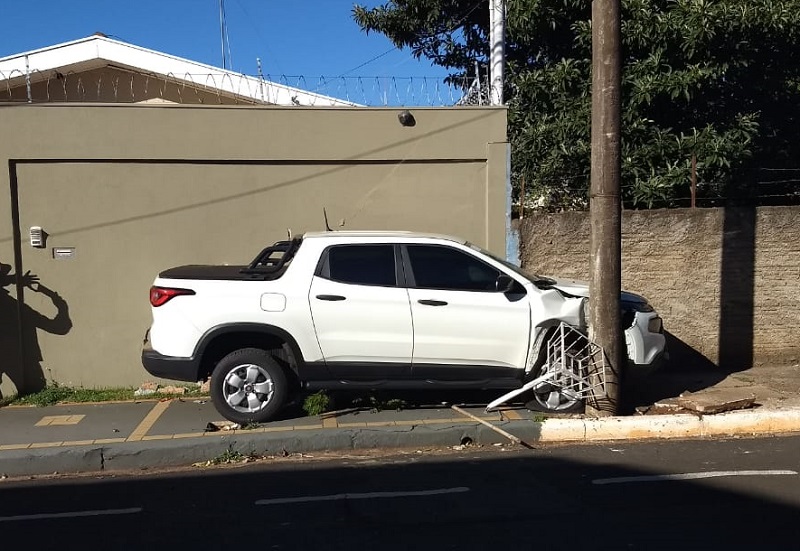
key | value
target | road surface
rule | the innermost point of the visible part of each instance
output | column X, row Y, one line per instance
column 735, row 494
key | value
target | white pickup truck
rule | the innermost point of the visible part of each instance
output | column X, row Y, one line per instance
column 369, row 310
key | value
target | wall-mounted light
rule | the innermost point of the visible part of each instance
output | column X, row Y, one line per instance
column 406, row 118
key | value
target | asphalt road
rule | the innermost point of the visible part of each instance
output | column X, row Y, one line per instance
column 736, row 494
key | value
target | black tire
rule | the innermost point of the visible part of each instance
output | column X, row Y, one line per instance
column 546, row 398
column 248, row 386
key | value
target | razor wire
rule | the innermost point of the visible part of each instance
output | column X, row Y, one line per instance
column 112, row 85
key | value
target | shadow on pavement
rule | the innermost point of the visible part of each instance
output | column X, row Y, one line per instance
column 528, row 500
column 685, row 370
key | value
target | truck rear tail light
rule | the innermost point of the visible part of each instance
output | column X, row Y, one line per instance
column 161, row 295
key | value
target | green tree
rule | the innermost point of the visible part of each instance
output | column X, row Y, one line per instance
column 717, row 78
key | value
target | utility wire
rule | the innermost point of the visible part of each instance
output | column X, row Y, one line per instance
column 452, row 28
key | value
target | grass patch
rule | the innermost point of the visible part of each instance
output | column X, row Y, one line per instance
column 380, row 404
column 228, row 456
column 539, row 417
column 56, row 394
column 317, row 403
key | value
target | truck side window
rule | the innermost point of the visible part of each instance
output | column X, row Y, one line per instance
column 450, row 269
column 361, row 265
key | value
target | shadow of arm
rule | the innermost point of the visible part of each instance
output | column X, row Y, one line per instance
column 61, row 323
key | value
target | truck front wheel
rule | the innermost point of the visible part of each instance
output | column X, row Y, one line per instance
column 248, row 386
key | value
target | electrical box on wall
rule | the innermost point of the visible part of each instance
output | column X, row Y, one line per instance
column 37, row 237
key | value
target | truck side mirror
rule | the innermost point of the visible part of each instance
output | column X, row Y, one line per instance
column 503, row 284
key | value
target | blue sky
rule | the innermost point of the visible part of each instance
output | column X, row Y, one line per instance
column 311, row 38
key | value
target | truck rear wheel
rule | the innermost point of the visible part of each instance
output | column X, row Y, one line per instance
column 248, row 386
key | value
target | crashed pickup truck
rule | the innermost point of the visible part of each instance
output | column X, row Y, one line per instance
column 369, row 310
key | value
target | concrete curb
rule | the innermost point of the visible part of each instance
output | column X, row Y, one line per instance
column 185, row 451
column 735, row 423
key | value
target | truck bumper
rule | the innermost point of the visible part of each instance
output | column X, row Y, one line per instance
column 645, row 340
column 169, row 367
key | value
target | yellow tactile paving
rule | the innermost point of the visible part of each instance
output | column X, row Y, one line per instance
column 278, row 429
column 14, row 447
column 158, row 437
column 148, row 422
column 45, row 445
column 109, row 440
column 443, row 421
column 77, row 442
column 51, row 420
column 330, row 423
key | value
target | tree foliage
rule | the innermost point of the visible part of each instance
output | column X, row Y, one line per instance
column 715, row 78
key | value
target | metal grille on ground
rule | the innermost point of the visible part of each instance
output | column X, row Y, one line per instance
column 574, row 365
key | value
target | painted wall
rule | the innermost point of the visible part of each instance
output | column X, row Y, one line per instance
column 134, row 189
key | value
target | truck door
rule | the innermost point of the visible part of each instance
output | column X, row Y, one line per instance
column 464, row 329
column 362, row 318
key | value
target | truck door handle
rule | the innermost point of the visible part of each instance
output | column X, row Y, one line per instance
column 428, row 302
column 331, row 297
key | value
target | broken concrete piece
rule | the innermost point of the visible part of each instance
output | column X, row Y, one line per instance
column 144, row 391
column 717, row 400
column 670, row 405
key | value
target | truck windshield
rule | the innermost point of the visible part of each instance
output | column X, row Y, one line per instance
column 537, row 280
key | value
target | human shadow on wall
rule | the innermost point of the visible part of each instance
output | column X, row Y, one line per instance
column 20, row 353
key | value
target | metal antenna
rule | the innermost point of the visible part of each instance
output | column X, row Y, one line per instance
column 227, row 59
column 325, row 214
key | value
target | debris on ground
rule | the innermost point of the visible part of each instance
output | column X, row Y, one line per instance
column 149, row 388
column 172, row 389
column 717, row 400
column 705, row 402
column 146, row 389
column 215, row 426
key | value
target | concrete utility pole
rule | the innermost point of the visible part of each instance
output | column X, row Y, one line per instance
column 497, row 23
column 604, row 199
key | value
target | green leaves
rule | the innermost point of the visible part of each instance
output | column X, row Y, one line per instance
column 717, row 78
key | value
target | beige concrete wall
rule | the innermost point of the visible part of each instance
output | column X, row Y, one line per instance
column 726, row 281
column 136, row 189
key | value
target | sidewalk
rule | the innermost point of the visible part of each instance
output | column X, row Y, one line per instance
column 147, row 434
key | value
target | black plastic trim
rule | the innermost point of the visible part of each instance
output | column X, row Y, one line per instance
column 333, row 298
column 464, row 373
column 265, row 329
column 367, row 371
column 411, row 384
column 171, row 367
column 404, row 375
